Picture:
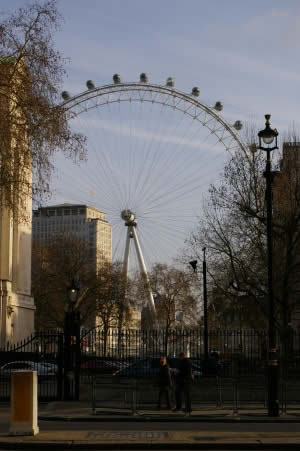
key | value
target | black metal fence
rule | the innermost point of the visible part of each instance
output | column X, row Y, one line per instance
column 240, row 353
column 41, row 352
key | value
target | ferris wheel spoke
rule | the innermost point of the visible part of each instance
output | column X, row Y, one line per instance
column 159, row 168
column 152, row 150
column 152, row 154
column 76, row 181
column 103, row 169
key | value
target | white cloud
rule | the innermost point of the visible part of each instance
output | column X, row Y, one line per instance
column 277, row 12
column 143, row 134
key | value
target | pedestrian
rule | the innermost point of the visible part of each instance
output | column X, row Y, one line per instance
column 164, row 383
column 184, row 378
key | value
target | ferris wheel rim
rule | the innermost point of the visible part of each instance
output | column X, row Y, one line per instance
column 90, row 94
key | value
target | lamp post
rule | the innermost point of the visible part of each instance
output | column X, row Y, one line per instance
column 71, row 344
column 267, row 137
column 72, row 294
column 193, row 264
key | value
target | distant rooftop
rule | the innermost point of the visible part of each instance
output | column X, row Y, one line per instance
column 68, row 205
column 64, row 205
column 292, row 143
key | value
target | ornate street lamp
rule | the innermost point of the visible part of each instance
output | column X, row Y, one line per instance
column 71, row 344
column 268, row 137
column 193, row 264
column 72, row 295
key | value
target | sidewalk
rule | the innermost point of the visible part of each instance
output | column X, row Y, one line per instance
column 141, row 440
column 82, row 411
column 94, row 438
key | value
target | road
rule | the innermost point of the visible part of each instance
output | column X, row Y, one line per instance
column 104, row 430
column 163, row 426
column 116, row 432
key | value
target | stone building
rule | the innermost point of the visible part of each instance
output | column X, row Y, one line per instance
column 82, row 221
column 286, row 234
column 16, row 303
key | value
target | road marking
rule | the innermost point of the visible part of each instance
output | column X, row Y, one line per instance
column 127, row 435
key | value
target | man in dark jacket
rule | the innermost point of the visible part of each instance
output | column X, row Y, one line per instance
column 164, row 383
column 184, row 380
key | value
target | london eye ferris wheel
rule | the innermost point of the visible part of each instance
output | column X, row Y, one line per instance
column 153, row 151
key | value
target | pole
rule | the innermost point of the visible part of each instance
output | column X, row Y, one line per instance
column 205, row 307
column 67, row 355
column 77, row 354
column 273, row 403
column 72, row 354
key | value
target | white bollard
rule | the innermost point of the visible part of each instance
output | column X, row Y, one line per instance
column 24, row 405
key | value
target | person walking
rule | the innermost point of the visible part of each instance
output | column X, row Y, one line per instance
column 164, row 383
column 184, row 378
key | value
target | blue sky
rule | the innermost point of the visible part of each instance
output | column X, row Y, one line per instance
column 244, row 53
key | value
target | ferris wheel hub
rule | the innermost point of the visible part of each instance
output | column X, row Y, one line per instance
column 129, row 217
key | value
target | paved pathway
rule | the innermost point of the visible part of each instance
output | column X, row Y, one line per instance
column 162, row 437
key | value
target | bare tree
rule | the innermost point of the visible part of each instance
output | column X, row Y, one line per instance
column 54, row 267
column 112, row 308
column 32, row 126
column 172, row 291
column 234, row 230
column 101, row 297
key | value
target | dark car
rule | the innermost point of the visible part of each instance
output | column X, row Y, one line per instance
column 150, row 367
column 43, row 370
column 99, row 366
column 139, row 368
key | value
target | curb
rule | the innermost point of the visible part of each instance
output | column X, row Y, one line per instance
column 149, row 445
column 167, row 419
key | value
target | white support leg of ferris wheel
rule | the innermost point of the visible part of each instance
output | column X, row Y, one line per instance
column 126, row 253
column 130, row 221
column 143, row 270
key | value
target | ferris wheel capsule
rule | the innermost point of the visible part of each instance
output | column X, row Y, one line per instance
column 66, row 95
column 238, row 125
column 116, row 79
column 218, row 106
column 90, row 84
column 196, row 92
column 170, row 82
column 143, row 78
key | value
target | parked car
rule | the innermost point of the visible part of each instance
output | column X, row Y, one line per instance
column 52, row 366
column 150, row 367
column 43, row 371
column 98, row 366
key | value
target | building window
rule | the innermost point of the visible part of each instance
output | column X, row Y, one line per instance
column 51, row 212
column 82, row 211
column 67, row 212
column 58, row 212
column 74, row 211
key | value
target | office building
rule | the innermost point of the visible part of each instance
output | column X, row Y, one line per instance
column 82, row 221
